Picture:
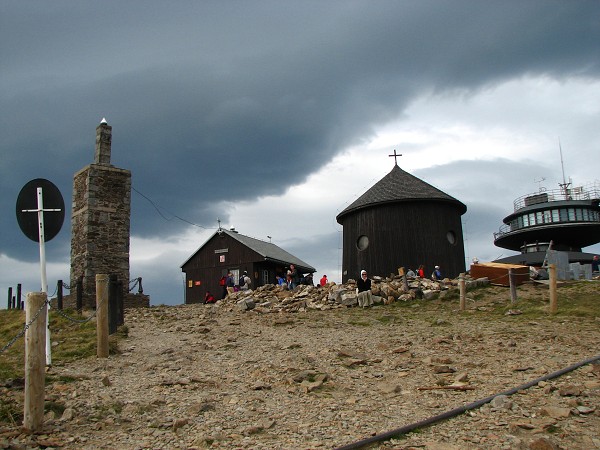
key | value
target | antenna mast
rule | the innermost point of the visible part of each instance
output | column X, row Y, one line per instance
column 564, row 186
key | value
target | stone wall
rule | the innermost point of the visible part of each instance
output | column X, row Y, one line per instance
column 129, row 301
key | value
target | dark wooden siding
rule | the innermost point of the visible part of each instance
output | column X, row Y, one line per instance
column 206, row 268
column 403, row 234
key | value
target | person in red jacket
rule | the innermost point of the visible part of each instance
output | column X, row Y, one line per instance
column 209, row 298
column 323, row 280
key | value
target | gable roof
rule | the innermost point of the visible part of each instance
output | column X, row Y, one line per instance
column 399, row 186
column 267, row 250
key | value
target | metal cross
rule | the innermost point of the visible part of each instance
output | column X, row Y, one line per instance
column 395, row 155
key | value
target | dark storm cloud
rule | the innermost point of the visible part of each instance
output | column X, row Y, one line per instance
column 213, row 101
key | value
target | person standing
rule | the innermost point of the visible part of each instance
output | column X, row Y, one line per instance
column 437, row 274
column 595, row 264
column 363, row 288
column 245, row 282
column 421, row 271
column 294, row 275
column 230, row 283
column 323, row 281
column 223, row 285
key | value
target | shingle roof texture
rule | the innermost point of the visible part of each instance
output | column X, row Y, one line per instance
column 267, row 250
column 399, row 186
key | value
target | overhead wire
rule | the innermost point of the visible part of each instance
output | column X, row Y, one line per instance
column 174, row 216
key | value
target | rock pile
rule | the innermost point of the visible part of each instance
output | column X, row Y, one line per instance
column 273, row 298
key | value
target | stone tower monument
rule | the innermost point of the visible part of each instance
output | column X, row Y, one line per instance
column 100, row 219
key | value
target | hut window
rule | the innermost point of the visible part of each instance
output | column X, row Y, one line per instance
column 451, row 237
column 362, row 242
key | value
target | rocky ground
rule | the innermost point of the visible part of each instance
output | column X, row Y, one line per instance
column 225, row 377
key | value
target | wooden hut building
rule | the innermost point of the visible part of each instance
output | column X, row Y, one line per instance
column 229, row 251
column 402, row 221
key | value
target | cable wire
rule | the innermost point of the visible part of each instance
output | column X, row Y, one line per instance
column 174, row 216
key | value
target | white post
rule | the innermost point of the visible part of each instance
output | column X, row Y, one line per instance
column 42, row 239
column 40, row 211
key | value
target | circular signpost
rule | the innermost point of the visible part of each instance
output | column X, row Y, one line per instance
column 40, row 213
column 53, row 209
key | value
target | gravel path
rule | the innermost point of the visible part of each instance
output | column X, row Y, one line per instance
column 201, row 376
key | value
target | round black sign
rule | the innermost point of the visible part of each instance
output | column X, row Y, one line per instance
column 27, row 207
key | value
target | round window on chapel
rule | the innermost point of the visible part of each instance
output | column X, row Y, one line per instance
column 451, row 237
column 362, row 242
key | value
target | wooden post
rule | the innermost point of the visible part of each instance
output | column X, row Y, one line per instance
column 59, row 294
column 113, row 300
column 120, row 304
column 9, row 298
column 462, row 289
column 19, row 304
column 102, row 315
column 402, row 273
column 35, row 361
column 79, row 300
column 513, row 286
column 553, row 300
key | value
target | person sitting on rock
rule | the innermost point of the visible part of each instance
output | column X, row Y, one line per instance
column 323, row 281
column 209, row 298
column 437, row 274
column 595, row 265
column 363, row 288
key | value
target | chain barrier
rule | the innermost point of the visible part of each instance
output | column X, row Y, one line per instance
column 135, row 282
column 81, row 321
column 39, row 311
column 25, row 328
column 67, row 286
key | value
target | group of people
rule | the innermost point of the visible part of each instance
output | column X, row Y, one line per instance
column 229, row 285
column 293, row 278
column 436, row 275
column 363, row 284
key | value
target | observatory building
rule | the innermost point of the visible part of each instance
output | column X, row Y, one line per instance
column 567, row 219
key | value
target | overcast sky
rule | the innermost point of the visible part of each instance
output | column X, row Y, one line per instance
column 273, row 116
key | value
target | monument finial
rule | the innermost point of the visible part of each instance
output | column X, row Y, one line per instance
column 395, row 155
column 103, row 121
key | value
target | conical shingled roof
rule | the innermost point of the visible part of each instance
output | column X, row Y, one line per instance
column 399, row 186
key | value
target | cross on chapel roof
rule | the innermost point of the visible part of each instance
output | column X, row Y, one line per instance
column 395, row 155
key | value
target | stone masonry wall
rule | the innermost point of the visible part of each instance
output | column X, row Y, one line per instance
column 100, row 226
